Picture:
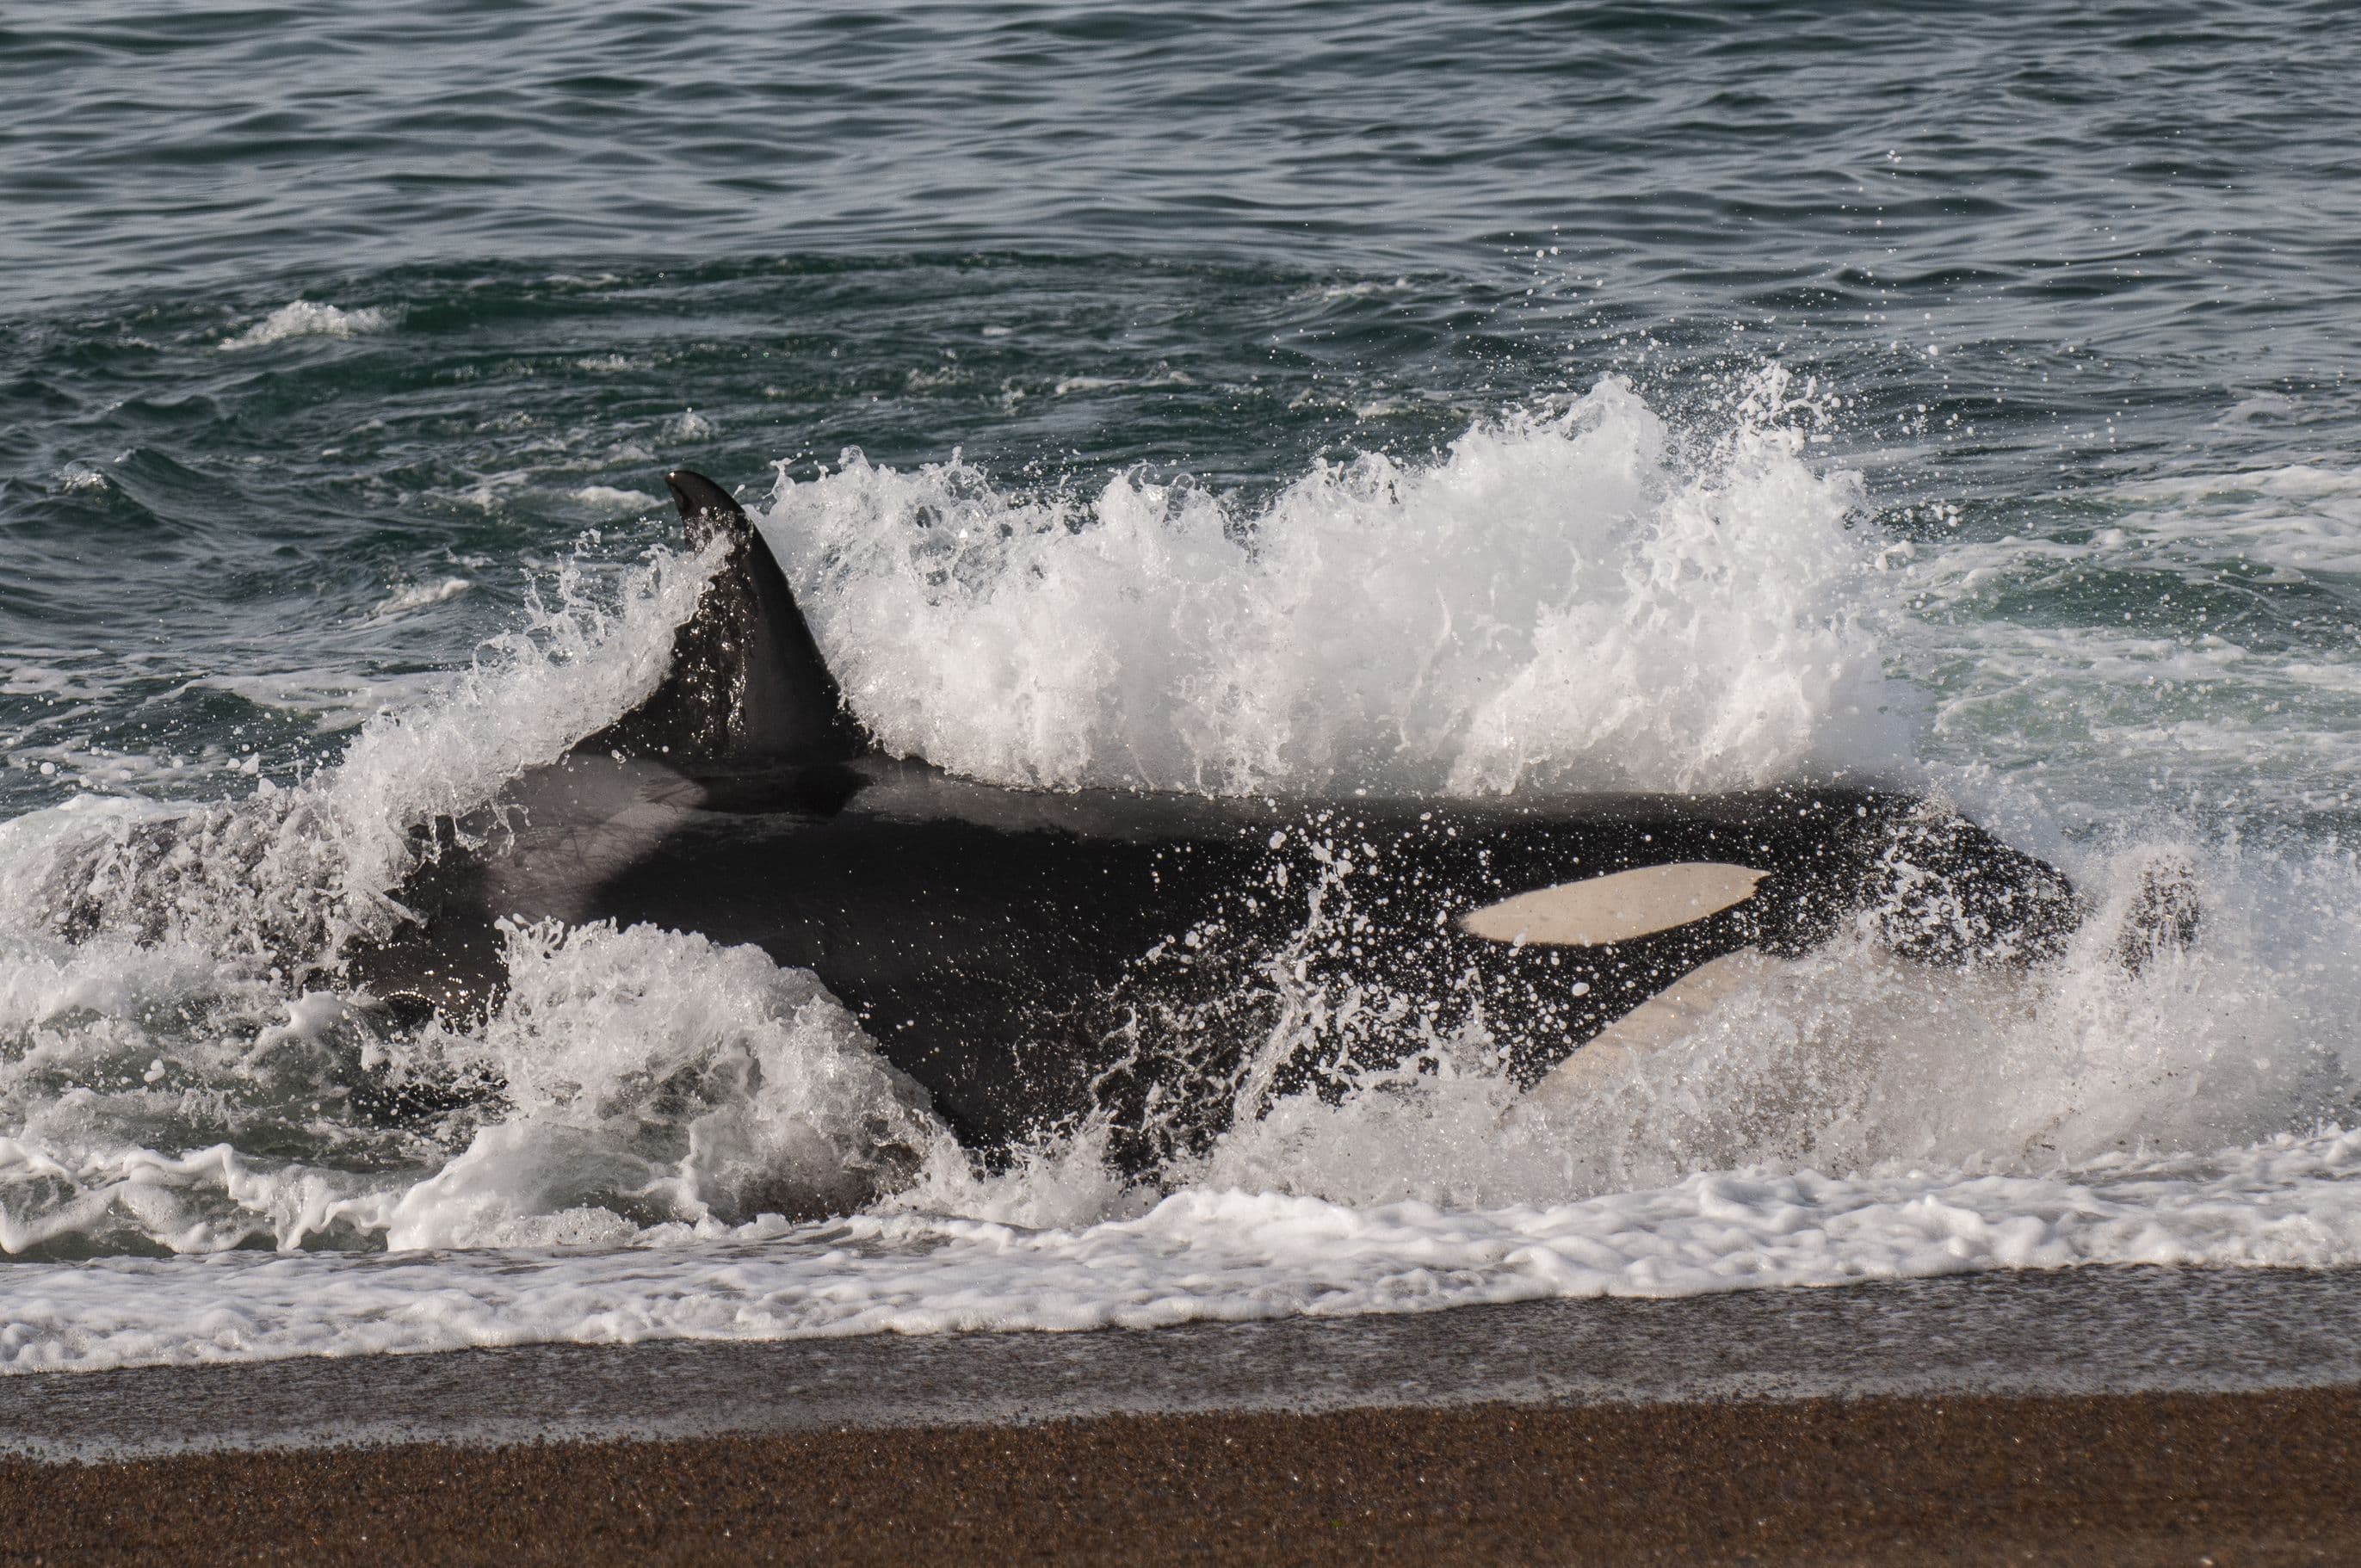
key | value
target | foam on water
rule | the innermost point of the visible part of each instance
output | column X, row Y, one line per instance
column 418, row 596
column 2300, row 518
column 688, row 1140
column 2213, row 672
column 1555, row 604
column 305, row 318
column 1200, row 1255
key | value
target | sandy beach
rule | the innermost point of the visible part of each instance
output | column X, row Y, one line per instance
column 2087, row 1416
column 2221, row 1478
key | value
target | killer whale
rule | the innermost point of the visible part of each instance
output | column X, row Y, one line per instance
column 1165, row 964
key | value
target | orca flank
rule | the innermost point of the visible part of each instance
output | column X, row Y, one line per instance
column 1035, row 960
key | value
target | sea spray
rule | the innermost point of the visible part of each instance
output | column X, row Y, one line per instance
column 280, row 879
column 1556, row 603
column 651, row 1078
column 641, row 1089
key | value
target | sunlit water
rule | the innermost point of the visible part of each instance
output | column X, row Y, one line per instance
column 1228, row 399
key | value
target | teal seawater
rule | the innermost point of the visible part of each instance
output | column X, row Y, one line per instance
column 330, row 337
column 2045, row 253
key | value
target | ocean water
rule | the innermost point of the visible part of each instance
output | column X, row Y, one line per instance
column 1437, row 398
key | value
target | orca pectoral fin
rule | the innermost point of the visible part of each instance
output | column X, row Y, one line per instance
column 2163, row 916
column 746, row 680
column 1600, row 911
column 1671, row 1015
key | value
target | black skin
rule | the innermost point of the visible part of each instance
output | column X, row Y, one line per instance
column 1027, row 957
column 1032, row 959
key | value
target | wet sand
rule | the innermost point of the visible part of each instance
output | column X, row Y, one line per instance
column 2227, row 1478
column 2084, row 1330
column 2092, row 1416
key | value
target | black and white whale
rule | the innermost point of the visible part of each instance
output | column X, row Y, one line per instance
column 1032, row 958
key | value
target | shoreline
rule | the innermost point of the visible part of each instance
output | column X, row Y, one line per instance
column 2091, row 1416
column 2226, row 1478
column 2075, row 1331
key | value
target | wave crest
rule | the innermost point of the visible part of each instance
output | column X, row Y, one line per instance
column 1557, row 603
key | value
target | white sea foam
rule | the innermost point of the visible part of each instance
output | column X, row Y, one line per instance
column 418, row 596
column 2184, row 690
column 332, row 700
column 303, row 318
column 1202, row 1254
column 1554, row 604
column 2299, row 518
column 608, row 498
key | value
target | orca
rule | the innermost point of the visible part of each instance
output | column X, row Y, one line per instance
column 1163, row 962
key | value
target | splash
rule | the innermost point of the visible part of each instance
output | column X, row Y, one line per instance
column 1554, row 604
column 1561, row 600
column 305, row 318
column 651, row 1079
column 279, row 881
column 1850, row 1061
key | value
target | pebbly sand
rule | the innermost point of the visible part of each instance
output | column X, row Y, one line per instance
column 2092, row 1416
column 2221, row 1478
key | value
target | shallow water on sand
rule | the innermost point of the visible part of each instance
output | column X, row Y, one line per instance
column 2084, row 1331
column 1228, row 399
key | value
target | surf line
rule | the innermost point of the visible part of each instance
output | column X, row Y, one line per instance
column 1029, row 959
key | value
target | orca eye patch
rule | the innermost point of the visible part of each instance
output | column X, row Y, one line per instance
column 1616, row 907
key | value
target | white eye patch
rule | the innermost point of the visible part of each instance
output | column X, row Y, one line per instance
column 1616, row 907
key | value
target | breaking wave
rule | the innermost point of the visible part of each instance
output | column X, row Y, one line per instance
column 305, row 318
column 1556, row 604
column 1562, row 601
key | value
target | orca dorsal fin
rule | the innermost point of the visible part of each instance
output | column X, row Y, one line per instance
column 746, row 680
